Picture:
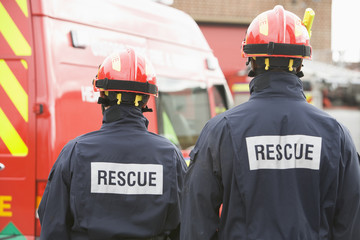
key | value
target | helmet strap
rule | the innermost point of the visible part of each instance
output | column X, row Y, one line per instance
column 300, row 74
column 111, row 98
column 265, row 64
column 146, row 109
column 105, row 101
column 251, row 73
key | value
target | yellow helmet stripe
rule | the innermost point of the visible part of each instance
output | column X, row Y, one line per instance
column 14, row 89
column 11, row 137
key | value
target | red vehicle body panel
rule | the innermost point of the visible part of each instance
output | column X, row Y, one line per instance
column 49, row 54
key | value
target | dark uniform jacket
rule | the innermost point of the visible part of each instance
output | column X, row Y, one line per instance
column 118, row 182
column 281, row 168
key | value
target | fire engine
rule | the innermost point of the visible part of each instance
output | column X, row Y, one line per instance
column 49, row 55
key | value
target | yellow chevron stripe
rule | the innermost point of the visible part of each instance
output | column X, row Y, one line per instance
column 14, row 90
column 11, row 138
column 12, row 34
column 24, row 63
column 23, row 6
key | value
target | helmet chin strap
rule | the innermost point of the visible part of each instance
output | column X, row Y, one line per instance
column 111, row 98
column 146, row 109
column 102, row 109
column 105, row 102
column 265, row 64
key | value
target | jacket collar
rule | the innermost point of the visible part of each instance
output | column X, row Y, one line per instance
column 277, row 84
column 124, row 114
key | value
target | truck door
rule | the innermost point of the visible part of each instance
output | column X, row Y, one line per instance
column 17, row 122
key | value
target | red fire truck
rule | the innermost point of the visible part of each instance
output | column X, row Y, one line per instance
column 49, row 54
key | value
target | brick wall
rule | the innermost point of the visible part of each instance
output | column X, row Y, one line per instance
column 241, row 12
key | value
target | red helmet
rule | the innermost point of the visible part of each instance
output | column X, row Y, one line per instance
column 126, row 71
column 277, row 33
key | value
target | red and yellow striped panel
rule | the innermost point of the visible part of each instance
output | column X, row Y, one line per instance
column 14, row 106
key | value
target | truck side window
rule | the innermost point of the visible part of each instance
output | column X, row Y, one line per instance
column 182, row 109
column 221, row 104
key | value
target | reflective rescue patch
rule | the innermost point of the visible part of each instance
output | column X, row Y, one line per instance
column 116, row 63
column 121, row 178
column 264, row 25
column 284, row 152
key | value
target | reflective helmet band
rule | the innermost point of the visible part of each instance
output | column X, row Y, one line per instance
column 277, row 49
column 123, row 85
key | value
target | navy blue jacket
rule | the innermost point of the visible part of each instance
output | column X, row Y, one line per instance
column 282, row 169
column 118, row 182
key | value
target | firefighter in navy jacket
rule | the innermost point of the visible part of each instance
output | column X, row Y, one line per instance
column 278, row 167
column 120, row 182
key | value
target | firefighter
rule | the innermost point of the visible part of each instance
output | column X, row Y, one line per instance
column 122, row 181
column 278, row 167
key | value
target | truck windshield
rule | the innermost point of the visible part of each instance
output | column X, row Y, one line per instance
column 183, row 109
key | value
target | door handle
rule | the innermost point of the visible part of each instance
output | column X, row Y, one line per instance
column 2, row 166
